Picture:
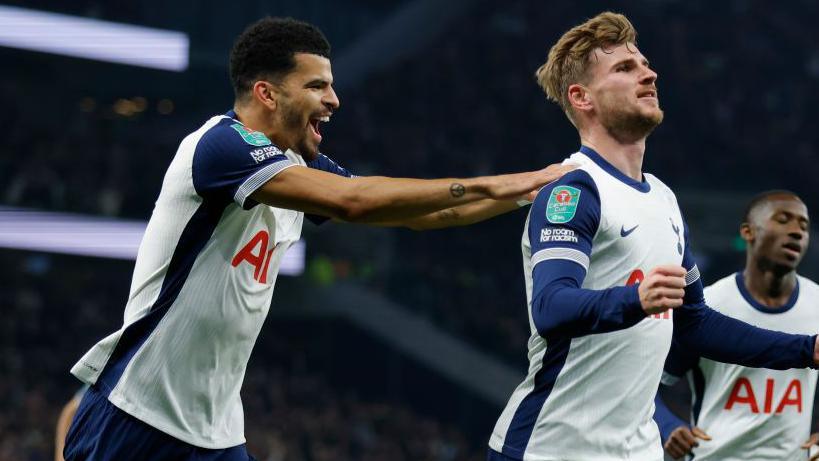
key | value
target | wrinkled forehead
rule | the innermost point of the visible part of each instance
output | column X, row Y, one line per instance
column 606, row 56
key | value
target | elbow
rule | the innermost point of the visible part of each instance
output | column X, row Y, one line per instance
column 543, row 321
column 354, row 208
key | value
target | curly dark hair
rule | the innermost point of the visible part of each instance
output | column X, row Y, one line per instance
column 266, row 49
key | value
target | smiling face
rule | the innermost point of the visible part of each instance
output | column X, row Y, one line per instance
column 304, row 99
column 777, row 233
column 620, row 93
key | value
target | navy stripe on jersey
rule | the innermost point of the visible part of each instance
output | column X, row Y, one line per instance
column 196, row 234
column 493, row 455
column 227, row 167
column 666, row 420
column 560, row 257
column 642, row 186
column 698, row 392
column 743, row 290
column 325, row 163
column 523, row 422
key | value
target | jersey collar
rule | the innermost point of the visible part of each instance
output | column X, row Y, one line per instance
column 740, row 279
column 641, row 186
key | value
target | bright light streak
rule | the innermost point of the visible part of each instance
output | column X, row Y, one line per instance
column 93, row 236
column 93, row 39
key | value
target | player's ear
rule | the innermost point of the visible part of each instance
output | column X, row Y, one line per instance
column 746, row 231
column 579, row 97
column 266, row 93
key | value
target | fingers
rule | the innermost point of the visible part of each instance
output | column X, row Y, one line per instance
column 677, row 448
column 672, row 270
column 814, row 438
column 700, row 434
column 662, row 289
column 681, row 442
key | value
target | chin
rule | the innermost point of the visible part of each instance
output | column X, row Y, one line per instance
column 308, row 153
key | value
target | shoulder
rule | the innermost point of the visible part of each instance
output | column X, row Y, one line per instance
column 723, row 288
column 658, row 185
column 231, row 132
column 572, row 201
column 578, row 180
column 228, row 138
column 807, row 285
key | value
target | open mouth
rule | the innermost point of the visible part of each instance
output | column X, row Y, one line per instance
column 647, row 94
column 315, row 123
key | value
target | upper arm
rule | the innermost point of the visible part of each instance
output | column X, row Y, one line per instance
column 325, row 163
column 229, row 165
column 309, row 190
column 562, row 223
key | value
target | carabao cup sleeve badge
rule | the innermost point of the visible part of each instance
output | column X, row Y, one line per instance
column 254, row 138
column 562, row 204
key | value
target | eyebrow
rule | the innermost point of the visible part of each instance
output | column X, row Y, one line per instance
column 318, row 81
column 630, row 59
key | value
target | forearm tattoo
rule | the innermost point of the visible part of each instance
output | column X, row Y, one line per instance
column 450, row 214
column 457, row 190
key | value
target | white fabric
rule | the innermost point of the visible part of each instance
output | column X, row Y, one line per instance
column 740, row 433
column 601, row 405
column 185, row 379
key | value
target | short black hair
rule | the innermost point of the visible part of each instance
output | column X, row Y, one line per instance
column 763, row 197
column 266, row 48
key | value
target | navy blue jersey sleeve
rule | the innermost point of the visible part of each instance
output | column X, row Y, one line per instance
column 703, row 331
column 562, row 223
column 666, row 420
column 231, row 161
column 325, row 163
column 678, row 362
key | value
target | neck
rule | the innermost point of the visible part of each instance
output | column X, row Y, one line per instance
column 768, row 287
column 626, row 156
column 257, row 118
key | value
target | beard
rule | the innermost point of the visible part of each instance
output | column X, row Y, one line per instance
column 293, row 120
column 629, row 124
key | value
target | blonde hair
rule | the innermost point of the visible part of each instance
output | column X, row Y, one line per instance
column 568, row 60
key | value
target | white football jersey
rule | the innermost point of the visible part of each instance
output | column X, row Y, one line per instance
column 590, row 396
column 754, row 413
column 201, row 287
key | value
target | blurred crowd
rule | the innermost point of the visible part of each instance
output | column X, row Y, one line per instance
column 55, row 307
column 736, row 80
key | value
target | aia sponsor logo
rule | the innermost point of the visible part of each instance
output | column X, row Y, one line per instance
column 743, row 394
column 257, row 254
column 636, row 277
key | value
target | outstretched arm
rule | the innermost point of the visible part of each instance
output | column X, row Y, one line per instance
column 376, row 199
column 724, row 339
column 462, row 215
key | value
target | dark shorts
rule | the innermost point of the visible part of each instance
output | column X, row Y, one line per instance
column 493, row 455
column 101, row 432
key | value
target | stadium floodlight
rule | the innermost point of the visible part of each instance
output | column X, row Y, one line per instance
column 93, row 39
column 67, row 233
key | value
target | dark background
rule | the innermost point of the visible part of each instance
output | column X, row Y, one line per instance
column 452, row 94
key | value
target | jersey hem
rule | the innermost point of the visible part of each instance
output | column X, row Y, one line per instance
column 120, row 402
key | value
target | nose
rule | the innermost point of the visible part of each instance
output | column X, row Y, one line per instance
column 330, row 99
column 649, row 76
column 796, row 232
